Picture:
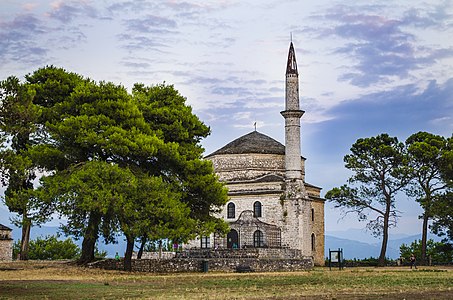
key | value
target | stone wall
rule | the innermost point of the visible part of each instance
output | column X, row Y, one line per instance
column 181, row 265
column 318, row 230
column 156, row 255
column 6, row 249
column 261, row 253
column 233, row 167
column 6, row 244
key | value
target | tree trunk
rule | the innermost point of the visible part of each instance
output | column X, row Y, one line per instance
column 25, row 241
column 142, row 246
column 160, row 249
column 89, row 239
column 385, row 236
column 424, row 237
column 128, row 254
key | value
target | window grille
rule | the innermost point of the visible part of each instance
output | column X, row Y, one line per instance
column 258, row 239
column 231, row 211
column 205, row 242
column 257, row 209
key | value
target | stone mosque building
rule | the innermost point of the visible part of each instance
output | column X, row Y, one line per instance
column 270, row 204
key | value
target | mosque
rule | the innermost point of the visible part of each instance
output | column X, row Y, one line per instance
column 270, row 204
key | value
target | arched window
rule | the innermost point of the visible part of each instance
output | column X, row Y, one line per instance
column 231, row 211
column 258, row 239
column 312, row 214
column 313, row 242
column 257, row 211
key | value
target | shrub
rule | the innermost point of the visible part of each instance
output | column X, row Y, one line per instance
column 50, row 247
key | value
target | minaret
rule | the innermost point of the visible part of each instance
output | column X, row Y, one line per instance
column 296, row 229
column 292, row 115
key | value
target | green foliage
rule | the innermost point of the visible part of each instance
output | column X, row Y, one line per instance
column 379, row 170
column 88, row 189
column 19, row 134
column 50, row 247
column 118, row 162
column 428, row 155
column 379, row 174
column 442, row 209
column 438, row 251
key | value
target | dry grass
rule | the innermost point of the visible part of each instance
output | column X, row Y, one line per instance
column 60, row 280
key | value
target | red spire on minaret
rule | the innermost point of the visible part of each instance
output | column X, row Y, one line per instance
column 291, row 66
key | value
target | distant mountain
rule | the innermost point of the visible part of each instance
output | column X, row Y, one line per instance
column 362, row 246
column 355, row 249
column 354, row 234
column 351, row 249
column 43, row 231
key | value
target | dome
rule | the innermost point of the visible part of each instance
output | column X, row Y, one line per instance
column 253, row 142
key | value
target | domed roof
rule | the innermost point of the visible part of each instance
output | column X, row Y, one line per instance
column 253, row 142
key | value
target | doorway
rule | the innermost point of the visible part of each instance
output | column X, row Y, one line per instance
column 232, row 239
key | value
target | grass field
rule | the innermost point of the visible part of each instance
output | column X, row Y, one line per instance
column 60, row 280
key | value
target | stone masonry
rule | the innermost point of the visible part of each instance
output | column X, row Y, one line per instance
column 6, row 243
column 270, row 204
column 257, row 260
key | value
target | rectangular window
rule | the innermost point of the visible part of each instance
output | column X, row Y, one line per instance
column 205, row 242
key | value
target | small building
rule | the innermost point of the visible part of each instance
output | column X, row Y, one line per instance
column 6, row 243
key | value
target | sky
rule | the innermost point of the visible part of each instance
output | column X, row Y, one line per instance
column 365, row 67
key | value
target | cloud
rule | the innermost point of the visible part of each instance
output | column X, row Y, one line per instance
column 148, row 32
column 242, row 115
column 132, row 42
column 65, row 11
column 400, row 112
column 229, row 91
column 150, row 24
column 383, row 49
column 430, row 16
column 29, row 6
column 18, row 39
column 136, row 65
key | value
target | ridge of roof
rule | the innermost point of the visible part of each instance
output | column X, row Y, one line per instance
column 3, row 227
column 253, row 142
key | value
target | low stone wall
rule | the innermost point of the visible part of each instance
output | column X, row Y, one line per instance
column 155, row 255
column 267, row 253
column 180, row 265
column 220, row 253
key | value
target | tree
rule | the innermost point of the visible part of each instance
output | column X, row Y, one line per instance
column 179, row 194
column 426, row 155
column 442, row 209
column 102, row 144
column 378, row 164
column 19, row 134
column 88, row 195
column 154, row 211
column 80, row 124
column 438, row 251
